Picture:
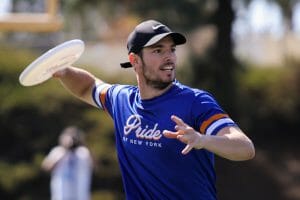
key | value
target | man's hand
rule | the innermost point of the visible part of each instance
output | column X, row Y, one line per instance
column 60, row 73
column 185, row 134
column 230, row 142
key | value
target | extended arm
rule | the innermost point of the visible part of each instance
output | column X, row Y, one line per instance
column 230, row 142
column 79, row 82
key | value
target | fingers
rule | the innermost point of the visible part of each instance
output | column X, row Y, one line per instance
column 183, row 133
column 187, row 149
column 178, row 120
column 178, row 135
column 171, row 134
column 180, row 127
column 60, row 73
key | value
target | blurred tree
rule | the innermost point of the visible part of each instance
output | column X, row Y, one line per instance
column 222, row 65
column 226, row 64
column 287, row 11
column 185, row 15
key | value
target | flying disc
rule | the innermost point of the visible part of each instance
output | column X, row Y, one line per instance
column 57, row 58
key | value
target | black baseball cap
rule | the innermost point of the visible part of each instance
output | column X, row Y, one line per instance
column 148, row 33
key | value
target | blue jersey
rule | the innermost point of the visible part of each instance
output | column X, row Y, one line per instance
column 152, row 165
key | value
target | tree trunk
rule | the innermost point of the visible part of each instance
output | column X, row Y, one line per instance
column 225, row 63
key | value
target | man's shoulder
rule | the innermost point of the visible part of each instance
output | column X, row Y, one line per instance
column 124, row 88
column 191, row 90
column 123, row 91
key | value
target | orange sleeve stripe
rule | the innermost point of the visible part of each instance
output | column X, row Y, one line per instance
column 103, row 95
column 213, row 118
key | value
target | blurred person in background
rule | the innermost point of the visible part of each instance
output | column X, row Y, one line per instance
column 70, row 164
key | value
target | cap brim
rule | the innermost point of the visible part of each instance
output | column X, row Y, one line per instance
column 126, row 65
column 177, row 37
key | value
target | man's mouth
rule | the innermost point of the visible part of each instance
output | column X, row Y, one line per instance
column 167, row 67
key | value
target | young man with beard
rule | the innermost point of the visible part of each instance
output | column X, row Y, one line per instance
column 166, row 133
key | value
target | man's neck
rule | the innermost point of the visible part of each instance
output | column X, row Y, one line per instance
column 148, row 92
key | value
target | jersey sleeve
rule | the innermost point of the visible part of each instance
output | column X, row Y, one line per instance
column 109, row 96
column 99, row 94
column 209, row 116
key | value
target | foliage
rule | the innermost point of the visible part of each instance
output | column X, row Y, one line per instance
column 31, row 119
column 180, row 14
column 269, row 102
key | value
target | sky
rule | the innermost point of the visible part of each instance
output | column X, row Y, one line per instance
column 263, row 17
column 5, row 6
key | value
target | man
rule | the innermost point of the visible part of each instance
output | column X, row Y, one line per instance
column 70, row 164
column 166, row 133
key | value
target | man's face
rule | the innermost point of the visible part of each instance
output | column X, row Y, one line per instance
column 158, row 64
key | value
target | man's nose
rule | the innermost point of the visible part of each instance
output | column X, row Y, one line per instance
column 169, row 55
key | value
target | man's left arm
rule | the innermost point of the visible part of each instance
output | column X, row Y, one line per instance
column 230, row 142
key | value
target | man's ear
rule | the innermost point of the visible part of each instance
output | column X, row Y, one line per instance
column 132, row 59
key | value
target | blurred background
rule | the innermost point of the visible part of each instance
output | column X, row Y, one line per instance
column 245, row 52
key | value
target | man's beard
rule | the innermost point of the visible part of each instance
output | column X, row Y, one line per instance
column 160, row 85
column 155, row 83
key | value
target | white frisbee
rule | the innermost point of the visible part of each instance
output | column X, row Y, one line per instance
column 59, row 57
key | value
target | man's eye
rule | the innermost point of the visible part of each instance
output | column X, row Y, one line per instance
column 157, row 51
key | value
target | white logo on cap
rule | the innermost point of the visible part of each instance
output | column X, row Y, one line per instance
column 157, row 26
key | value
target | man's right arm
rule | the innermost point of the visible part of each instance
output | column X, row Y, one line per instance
column 79, row 82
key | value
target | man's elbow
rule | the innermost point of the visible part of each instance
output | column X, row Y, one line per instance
column 248, row 152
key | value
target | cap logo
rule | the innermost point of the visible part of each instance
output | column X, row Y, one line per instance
column 157, row 26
